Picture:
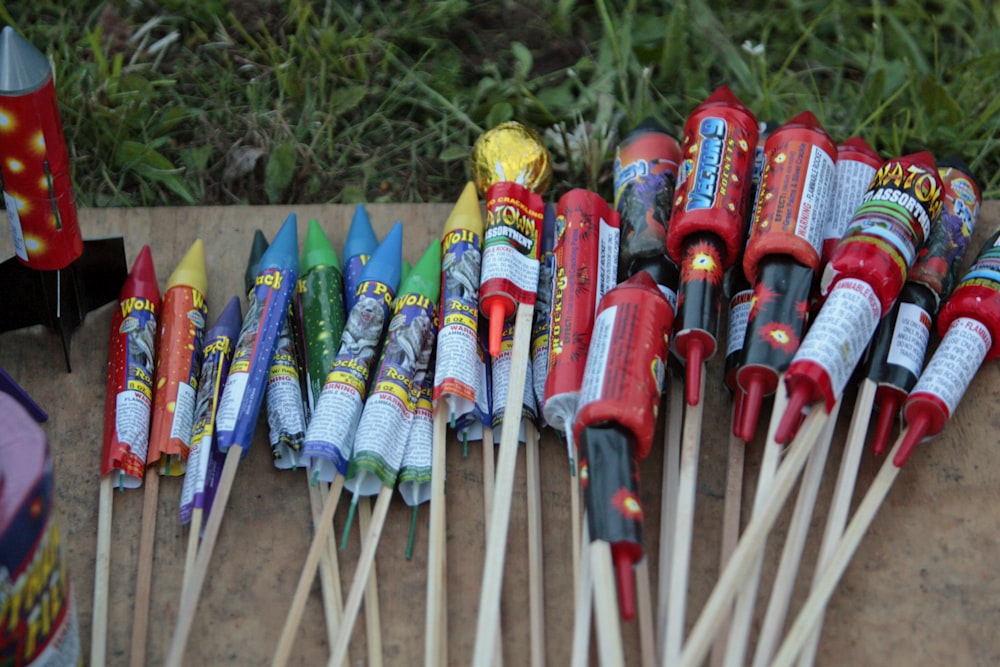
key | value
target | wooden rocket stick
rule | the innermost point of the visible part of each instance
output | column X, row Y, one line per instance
column 580, row 654
column 795, row 541
column 683, row 528
column 742, row 616
column 366, row 561
column 496, row 540
column 814, row 605
column 489, row 475
column 751, row 542
column 668, row 503
column 536, row 568
column 102, row 574
column 373, row 620
column 320, row 541
column 329, row 574
column 191, row 594
column 575, row 516
column 194, row 539
column 435, row 626
column 731, row 511
column 840, row 504
column 644, row 604
column 606, row 614
column 144, row 574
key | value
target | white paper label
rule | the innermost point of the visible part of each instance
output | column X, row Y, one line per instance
column 909, row 338
column 838, row 337
column 955, row 362
column 816, row 198
column 597, row 358
column 607, row 260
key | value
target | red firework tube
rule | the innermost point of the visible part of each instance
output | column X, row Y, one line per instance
column 586, row 254
column 626, row 361
column 37, row 188
column 710, row 203
column 889, row 226
column 741, row 294
column 856, row 165
column 511, row 167
column 782, row 254
column 938, row 262
column 796, row 189
column 511, row 251
column 131, row 356
column 928, row 283
column 626, row 365
column 714, row 182
column 871, row 263
column 969, row 324
column 645, row 174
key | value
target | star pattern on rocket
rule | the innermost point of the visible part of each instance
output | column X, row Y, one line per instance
column 779, row 336
column 627, row 503
column 702, row 263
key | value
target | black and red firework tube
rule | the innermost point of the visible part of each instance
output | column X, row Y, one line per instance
column 707, row 226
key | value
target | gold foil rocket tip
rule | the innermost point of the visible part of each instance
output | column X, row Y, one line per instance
column 511, row 152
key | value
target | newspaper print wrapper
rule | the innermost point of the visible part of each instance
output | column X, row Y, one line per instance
column 457, row 374
column 415, row 472
column 384, row 429
column 330, row 436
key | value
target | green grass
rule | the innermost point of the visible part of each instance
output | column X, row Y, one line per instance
column 207, row 102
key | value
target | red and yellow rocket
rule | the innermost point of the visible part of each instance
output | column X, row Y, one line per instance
column 55, row 276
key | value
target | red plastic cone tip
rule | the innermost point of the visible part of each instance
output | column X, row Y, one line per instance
column 694, row 363
column 789, row 423
column 751, row 409
column 722, row 95
column 857, row 143
column 496, row 328
column 805, row 118
column 625, row 576
column 888, row 410
column 915, row 432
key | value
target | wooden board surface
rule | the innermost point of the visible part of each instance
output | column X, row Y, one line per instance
column 922, row 589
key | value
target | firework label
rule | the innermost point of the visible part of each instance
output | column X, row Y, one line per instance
column 456, row 374
column 585, row 267
column 286, row 417
column 938, row 262
column 793, row 202
column 714, row 181
column 890, row 224
column 510, row 247
column 330, row 435
column 38, row 622
column 415, row 471
column 204, row 456
column 501, row 369
column 837, row 338
column 625, row 370
column 384, row 427
column 645, row 173
column 856, row 165
column 955, row 362
column 130, row 382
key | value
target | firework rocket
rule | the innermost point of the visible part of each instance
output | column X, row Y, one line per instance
column 55, row 277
